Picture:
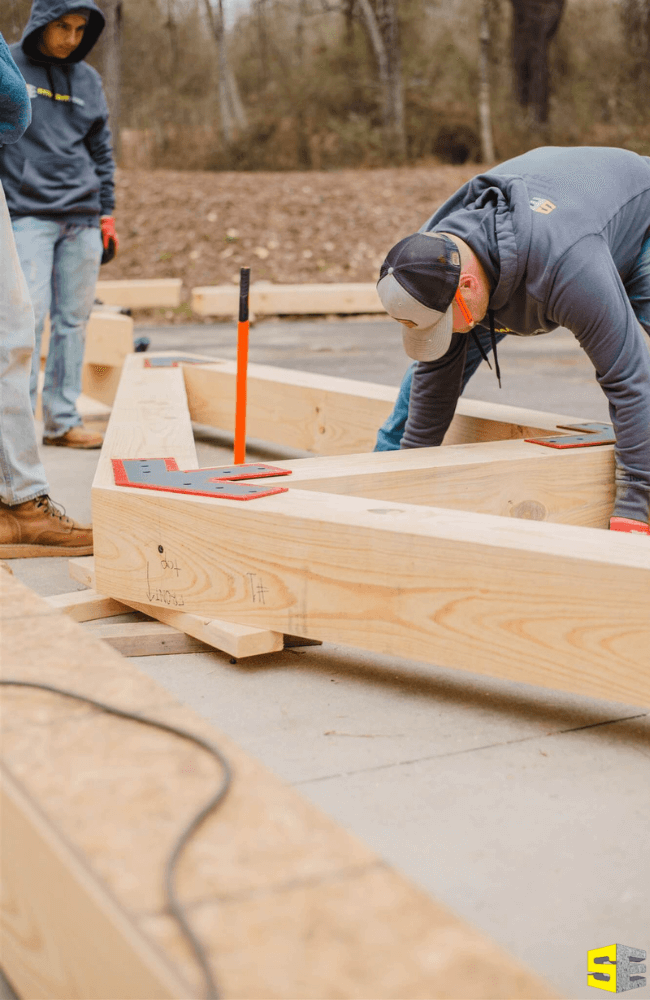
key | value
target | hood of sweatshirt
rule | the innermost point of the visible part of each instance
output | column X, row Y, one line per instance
column 45, row 11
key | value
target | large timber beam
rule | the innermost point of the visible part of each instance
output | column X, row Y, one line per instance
column 150, row 418
column 547, row 604
column 92, row 805
column 510, row 478
column 336, row 416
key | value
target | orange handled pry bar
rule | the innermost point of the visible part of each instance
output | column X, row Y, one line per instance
column 242, row 367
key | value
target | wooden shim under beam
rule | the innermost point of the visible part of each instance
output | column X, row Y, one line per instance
column 86, row 605
column 239, row 641
column 145, row 638
column 139, row 293
column 92, row 805
column 545, row 604
column 336, row 416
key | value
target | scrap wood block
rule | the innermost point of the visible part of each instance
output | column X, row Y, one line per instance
column 145, row 638
column 266, row 299
column 92, row 805
column 86, row 605
column 141, row 293
column 109, row 338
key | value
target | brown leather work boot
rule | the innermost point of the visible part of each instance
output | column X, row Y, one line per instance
column 77, row 437
column 38, row 528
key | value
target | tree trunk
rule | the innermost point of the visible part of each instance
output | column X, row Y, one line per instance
column 636, row 25
column 303, row 151
column 534, row 23
column 112, row 66
column 382, row 28
column 231, row 110
column 485, row 118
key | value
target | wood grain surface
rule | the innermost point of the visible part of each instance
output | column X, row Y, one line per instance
column 286, row 903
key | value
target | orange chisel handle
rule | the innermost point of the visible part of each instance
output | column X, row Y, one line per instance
column 242, row 367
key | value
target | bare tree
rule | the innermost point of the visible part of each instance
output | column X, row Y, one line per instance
column 534, row 24
column 636, row 23
column 382, row 27
column 485, row 117
column 304, row 151
column 232, row 114
column 112, row 65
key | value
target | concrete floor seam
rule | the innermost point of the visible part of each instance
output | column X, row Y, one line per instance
column 457, row 753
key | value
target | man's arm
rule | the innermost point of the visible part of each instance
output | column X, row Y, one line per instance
column 15, row 105
column 435, row 390
column 589, row 298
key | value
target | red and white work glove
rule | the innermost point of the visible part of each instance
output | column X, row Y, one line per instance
column 629, row 524
column 110, row 242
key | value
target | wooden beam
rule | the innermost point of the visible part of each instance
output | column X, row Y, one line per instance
column 92, row 805
column 151, row 418
column 267, row 299
column 142, row 293
column 510, row 478
column 546, row 604
column 62, row 933
column 336, row 416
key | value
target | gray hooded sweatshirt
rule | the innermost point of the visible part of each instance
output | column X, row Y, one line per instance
column 557, row 231
column 62, row 168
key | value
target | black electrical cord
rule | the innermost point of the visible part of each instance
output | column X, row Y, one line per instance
column 175, row 908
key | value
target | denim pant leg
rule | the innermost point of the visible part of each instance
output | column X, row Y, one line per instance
column 638, row 286
column 22, row 476
column 35, row 241
column 77, row 256
column 391, row 432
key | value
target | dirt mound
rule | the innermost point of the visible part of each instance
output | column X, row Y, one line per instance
column 287, row 227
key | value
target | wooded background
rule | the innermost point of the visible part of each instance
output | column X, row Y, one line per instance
column 322, row 84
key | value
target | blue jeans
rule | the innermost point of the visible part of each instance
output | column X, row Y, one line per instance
column 60, row 262
column 22, row 477
column 638, row 289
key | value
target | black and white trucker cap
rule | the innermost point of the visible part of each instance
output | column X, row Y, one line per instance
column 417, row 283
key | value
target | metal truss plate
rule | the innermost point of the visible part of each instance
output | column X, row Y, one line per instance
column 590, row 434
column 225, row 482
column 172, row 361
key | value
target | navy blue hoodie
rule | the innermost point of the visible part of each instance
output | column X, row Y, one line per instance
column 557, row 231
column 62, row 168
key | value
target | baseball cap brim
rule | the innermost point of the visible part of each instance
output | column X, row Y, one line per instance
column 430, row 337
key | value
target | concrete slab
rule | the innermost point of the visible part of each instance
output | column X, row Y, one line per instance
column 524, row 810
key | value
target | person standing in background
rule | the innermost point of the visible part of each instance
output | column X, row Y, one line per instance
column 30, row 523
column 58, row 181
